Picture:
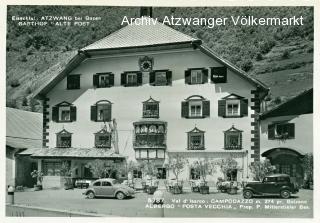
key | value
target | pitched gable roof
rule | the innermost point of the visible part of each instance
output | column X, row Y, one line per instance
column 134, row 35
column 24, row 128
column 301, row 104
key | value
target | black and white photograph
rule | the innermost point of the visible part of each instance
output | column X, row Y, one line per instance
column 159, row 111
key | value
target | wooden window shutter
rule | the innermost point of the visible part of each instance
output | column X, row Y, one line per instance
column 123, row 79
column 169, row 77
column 184, row 109
column 244, row 107
column 271, row 131
column 109, row 112
column 187, row 76
column 205, row 76
column 222, row 108
column 291, row 130
column 152, row 78
column 94, row 113
column 206, row 108
column 55, row 114
column 111, row 79
column 139, row 78
column 73, row 113
column 96, row 80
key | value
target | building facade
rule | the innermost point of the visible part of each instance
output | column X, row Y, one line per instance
column 287, row 134
column 23, row 132
column 163, row 91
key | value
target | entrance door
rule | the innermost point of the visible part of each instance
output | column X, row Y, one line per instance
column 86, row 172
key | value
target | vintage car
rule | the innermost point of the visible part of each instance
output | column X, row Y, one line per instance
column 275, row 184
column 108, row 187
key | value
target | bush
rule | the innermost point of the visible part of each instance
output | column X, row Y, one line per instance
column 29, row 90
column 23, row 58
column 11, row 103
column 246, row 65
column 260, row 169
column 277, row 100
column 14, row 83
column 266, row 46
column 285, row 54
column 24, row 101
column 259, row 57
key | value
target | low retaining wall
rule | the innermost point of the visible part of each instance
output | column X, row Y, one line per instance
column 30, row 211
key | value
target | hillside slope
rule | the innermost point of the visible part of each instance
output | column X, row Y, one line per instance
column 280, row 56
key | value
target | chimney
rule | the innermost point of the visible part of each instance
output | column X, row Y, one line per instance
column 146, row 11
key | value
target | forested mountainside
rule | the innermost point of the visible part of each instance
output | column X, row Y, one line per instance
column 279, row 56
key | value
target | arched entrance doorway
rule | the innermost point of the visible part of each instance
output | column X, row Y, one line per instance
column 287, row 161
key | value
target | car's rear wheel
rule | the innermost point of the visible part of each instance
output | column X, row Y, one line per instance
column 90, row 195
column 285, row 194
column 120, row 196
column 247, row 194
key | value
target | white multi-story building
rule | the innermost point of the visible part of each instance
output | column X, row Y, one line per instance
column 168, row 93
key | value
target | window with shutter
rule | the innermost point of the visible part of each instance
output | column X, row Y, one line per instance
column 101, row 111
column 196, row 139
column 282, row 131
column 103, row 138
column 150, row 108
column 73, row 81
column 233, row 106
column 219, row 74
column 160, row 78
column 63, row 139
column 195, row 106
column 103, row 80
column 64, row 112
column 196, row 76
column 233, row 139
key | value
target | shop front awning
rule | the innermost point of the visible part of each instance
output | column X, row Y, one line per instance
column 81, row 153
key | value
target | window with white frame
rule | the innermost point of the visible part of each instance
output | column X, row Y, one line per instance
column 195, row 108
column 104, row 80
column 64, row 113
column 233, row 107
column 196, row 76
column 132, row 78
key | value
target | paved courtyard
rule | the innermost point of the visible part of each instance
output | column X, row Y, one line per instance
column 184, row 205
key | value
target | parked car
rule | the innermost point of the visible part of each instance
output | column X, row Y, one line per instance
column 108, row 187
column 275, row 184
column 83, row 183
